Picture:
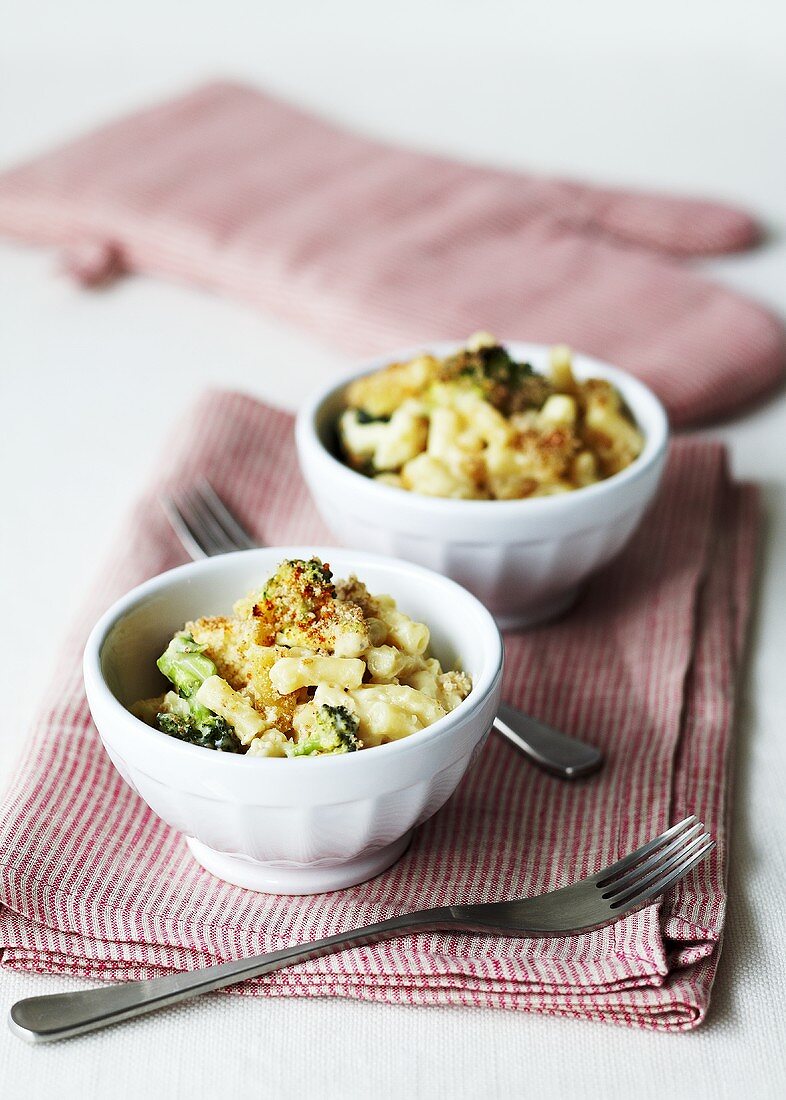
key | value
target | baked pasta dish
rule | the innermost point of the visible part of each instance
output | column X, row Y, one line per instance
column 478, row 425
column 305, row 666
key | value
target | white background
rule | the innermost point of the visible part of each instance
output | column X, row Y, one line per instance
column 684, row 96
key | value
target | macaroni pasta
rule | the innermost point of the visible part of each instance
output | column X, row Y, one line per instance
column 480, row 426
column 306, row 666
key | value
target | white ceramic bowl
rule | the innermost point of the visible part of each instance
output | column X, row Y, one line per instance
column 525, row 559
column 289, row 826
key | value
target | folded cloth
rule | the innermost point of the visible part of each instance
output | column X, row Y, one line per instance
column 93, row 884
column 371, row 246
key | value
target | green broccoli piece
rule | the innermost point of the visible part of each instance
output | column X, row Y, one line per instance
column 299, row 602
column 189, row 721
column 302, row 587
column 184, row 663
column 216, row 733
column 362, row 416
column 500, row 380
column 176, row 725
column 334, row 730
column 299, row 607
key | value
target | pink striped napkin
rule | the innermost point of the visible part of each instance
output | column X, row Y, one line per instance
column 93, row 884
column 372, row 247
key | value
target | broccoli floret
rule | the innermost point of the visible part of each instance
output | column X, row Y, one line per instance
column 188, row 721
column 333, row 730
column 364, row 417
column 294, row 598
column 216, row 733
column 184, row 663
column 176, row 725
column 506, row 384
column 299, row 604
column 302, row 587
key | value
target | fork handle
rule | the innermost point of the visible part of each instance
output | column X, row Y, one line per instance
column 550, row 749
column 64, row 1015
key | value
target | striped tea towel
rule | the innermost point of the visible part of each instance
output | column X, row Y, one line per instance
column 93, row 884
column 372, row 247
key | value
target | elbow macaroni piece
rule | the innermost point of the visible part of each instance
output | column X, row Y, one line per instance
column 217, row 695
column 387, row 445
column 290, row 673
column 389, row 712
column 385, row 663
column 404, row 633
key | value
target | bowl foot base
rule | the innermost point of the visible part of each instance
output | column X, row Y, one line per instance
column 293, row 878
column 538, row 613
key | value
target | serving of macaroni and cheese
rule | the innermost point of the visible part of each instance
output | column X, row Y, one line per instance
column 477, row 425
column 305, row 666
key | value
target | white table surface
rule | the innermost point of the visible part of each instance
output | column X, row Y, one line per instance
column 680, row 96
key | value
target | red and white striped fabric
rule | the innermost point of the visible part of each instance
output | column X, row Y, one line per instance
column 93, row 884
column 373, row 247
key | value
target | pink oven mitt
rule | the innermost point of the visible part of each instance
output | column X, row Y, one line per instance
column 372, row 246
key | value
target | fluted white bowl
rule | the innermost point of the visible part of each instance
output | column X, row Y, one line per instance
column 289, row 826
column 524, row 559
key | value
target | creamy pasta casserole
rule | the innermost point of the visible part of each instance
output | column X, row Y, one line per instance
column 305, row 666
column 478, row 425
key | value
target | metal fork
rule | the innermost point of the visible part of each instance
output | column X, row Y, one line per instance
column 206, row 528
column 590, row 903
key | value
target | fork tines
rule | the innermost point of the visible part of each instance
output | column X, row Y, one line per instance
column 653, row 868
column 203, row 523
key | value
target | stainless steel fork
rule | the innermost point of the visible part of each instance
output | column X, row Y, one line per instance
column 206, row 528
column 590, row 903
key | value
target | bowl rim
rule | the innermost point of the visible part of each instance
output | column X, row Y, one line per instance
column 638, row 395
column 95, row 683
